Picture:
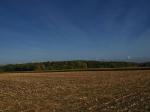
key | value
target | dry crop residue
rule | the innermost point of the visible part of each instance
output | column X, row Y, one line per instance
column 91, row 91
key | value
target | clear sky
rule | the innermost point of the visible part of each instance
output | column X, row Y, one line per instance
column 41, row 30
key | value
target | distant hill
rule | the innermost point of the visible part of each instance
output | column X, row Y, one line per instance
column 138, row 59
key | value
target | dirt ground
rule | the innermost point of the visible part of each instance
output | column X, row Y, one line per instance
column 90, row 91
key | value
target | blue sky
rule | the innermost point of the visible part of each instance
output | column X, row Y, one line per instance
column 41, row 30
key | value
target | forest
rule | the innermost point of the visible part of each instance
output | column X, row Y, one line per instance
column 70, row 65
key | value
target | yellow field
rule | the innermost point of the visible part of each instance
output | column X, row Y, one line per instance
column 95, row 91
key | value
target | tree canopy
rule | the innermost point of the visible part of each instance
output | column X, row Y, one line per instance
column 69, row 65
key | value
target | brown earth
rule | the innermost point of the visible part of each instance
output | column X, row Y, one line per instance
column 95, row 91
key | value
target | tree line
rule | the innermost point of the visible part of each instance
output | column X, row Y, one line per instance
column 69, row 65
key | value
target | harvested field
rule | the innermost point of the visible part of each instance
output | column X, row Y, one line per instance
column 95, row 91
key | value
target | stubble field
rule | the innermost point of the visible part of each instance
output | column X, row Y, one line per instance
column 89, row 91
